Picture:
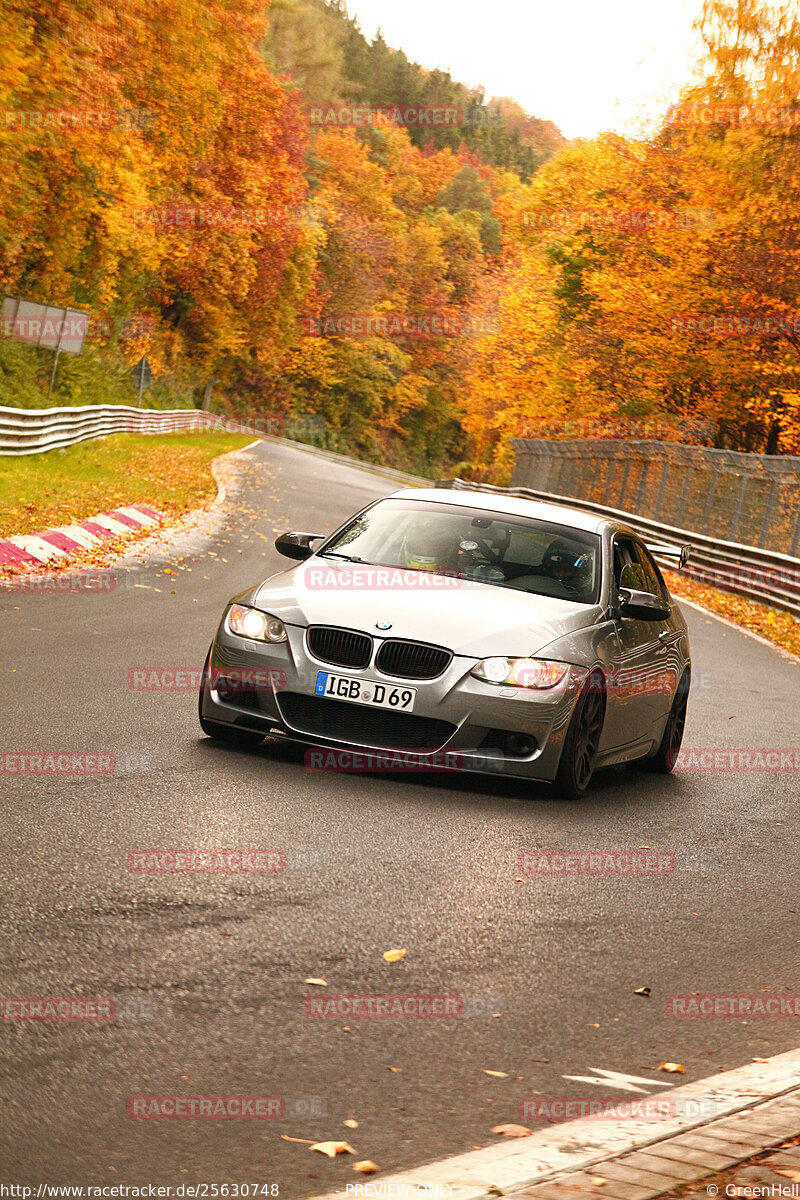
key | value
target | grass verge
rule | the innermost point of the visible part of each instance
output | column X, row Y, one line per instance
column 61, row 487
column 770, row 623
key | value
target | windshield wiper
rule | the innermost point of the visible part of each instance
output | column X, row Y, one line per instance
column 345, row 557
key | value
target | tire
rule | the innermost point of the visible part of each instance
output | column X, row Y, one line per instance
column 665, row 757
column 230, row 734
column 583, row 738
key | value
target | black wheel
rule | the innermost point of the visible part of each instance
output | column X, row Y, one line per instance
column 229, row 734
column 582, row 740
column 666, row 755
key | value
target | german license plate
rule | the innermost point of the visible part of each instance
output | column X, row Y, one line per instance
column 365, row 691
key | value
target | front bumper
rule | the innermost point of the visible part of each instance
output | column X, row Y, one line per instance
column 457, row 719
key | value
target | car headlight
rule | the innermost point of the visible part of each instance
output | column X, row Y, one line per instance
column 251, row 623
column 520, row 672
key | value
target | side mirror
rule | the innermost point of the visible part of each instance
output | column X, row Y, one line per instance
column 297, row 545
column 642, row 606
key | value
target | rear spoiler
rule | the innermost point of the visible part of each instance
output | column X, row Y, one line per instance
column 676, row 554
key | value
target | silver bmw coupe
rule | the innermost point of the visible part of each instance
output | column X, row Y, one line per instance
column 460, row 630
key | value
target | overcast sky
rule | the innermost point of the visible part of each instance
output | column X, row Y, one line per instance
column 588, row 65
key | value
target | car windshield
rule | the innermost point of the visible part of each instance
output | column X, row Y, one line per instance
column 527, row 555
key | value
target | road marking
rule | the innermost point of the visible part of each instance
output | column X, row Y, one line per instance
column 579, row 1145
column 616, row 1079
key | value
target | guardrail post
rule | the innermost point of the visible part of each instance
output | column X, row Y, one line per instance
column 737, row 512
column 626, row 470
column 795, row 547
column 709, row 504
column 641, row 490
column 662, row 487
column 687, row 479
column 765, row 524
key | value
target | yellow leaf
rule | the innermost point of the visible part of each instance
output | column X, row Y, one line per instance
column 497, row 1074
column 673, row 1068
column 395, row 955
column 317, row 982
column 350, row 1123
column 305, row 1141
column 333, row 1148
column 598, row 1180
column 513, row 1131
column 366, row 1167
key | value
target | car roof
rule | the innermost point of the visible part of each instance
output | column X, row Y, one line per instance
column 558, row 514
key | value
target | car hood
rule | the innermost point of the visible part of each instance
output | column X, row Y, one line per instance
column 473, row 619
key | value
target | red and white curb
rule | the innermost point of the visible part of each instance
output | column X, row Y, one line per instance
column 575, row 1146
column 36, row 548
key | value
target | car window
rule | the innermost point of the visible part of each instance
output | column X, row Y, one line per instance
column 486, row 547
column 654, row 581
column 628, row 572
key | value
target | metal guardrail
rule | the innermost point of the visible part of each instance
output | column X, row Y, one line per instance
column 758, row 574
column 761, row 575
column 748, row 499
column 34, row 430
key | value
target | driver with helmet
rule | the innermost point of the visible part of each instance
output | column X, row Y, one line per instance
column 428, row 546
column 569, row 566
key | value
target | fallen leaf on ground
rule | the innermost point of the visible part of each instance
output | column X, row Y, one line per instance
column 497, row 1074
column 793, row 1175
column 317, row 982
column 350, row 1123
column 673, row 1068
column 333, row 1148
column 395, row 955
column 643, row 991
column 396, row 1069
column 598, row 1180
column 305, row 1141
column 760, row 1060
column 366, row 1167
column 513, row 1130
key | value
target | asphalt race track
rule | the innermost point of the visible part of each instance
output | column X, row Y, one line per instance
column 207, row 970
